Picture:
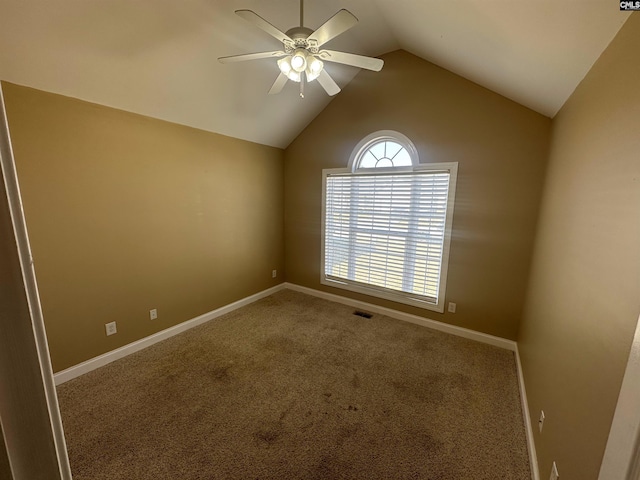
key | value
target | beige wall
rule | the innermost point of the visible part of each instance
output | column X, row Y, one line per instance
column 501, row 148
column 584, row 295
column 127, row 213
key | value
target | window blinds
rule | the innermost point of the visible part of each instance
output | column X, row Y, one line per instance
column 387, row 230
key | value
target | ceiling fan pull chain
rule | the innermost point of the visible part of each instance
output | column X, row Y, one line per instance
column 302, row 82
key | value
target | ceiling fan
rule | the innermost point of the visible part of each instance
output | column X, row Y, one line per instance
column 301, row 59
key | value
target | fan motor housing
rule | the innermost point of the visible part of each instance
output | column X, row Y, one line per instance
column 299, row 35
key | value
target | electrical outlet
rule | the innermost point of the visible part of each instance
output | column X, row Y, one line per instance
column 110, row 328
column 541, row 420
column 274, row 273
column 153, row 314
column 554, row 472
column 452, row 307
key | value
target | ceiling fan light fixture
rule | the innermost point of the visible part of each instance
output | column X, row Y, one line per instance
column 314, row 67
column 299, row 60
column 285, row 67
column 294, row 76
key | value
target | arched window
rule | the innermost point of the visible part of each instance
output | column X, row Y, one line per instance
column 387, row 222
column 384, row 149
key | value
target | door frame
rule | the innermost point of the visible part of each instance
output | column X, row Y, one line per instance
column 621, row 459
column 32, row 424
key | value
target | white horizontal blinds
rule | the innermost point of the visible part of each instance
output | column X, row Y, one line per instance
column 387, row 230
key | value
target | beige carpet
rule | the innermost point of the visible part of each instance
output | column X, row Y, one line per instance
column 295, row 387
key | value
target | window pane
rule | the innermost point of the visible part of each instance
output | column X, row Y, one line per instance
column 387, row 230
column 385, row 154
column 402, row 159
column 378, row 150
column 393, row 148
column 368, row 161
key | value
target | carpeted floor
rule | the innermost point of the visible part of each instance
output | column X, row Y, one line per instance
column 295, row 387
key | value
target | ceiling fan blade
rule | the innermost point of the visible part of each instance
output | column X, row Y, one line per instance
column 339, row 23
column 327, row 83
column 251, row 56
column 261, row 23
column 359, row 61
column 278, row 84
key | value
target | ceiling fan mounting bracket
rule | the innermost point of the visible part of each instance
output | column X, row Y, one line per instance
column 299, row 33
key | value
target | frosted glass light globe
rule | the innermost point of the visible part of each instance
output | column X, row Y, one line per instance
column 285, row 65
column 299, row 60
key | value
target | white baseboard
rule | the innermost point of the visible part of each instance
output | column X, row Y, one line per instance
column 104, row 359
column 407, row 317
column 533, row 456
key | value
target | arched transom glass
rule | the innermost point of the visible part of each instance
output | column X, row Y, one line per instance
column 385, row 153
column 384, row 149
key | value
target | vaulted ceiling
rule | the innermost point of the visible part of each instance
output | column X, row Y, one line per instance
column 159, row 57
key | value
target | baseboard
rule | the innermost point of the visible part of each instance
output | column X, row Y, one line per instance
column 104, row 359
column 533, row 456
column 407, row 317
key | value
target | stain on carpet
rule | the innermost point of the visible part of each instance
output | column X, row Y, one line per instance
column 284, row 345
column 355, row 380
column 269, row 435
column 423, row 344
column 220, row 373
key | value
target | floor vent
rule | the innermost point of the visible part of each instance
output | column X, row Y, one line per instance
column 363, row 314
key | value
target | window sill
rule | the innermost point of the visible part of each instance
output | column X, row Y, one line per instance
column 387, row 295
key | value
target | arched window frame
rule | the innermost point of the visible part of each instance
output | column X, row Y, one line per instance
column 350, row 229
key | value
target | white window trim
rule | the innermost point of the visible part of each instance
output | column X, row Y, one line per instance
column 400, row 297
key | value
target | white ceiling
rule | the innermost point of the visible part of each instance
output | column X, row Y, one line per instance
column 158, row 57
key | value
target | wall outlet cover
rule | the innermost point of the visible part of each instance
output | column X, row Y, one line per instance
column 541, row 420
column 452, row 307
column 153, row 314
column 110, row 328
